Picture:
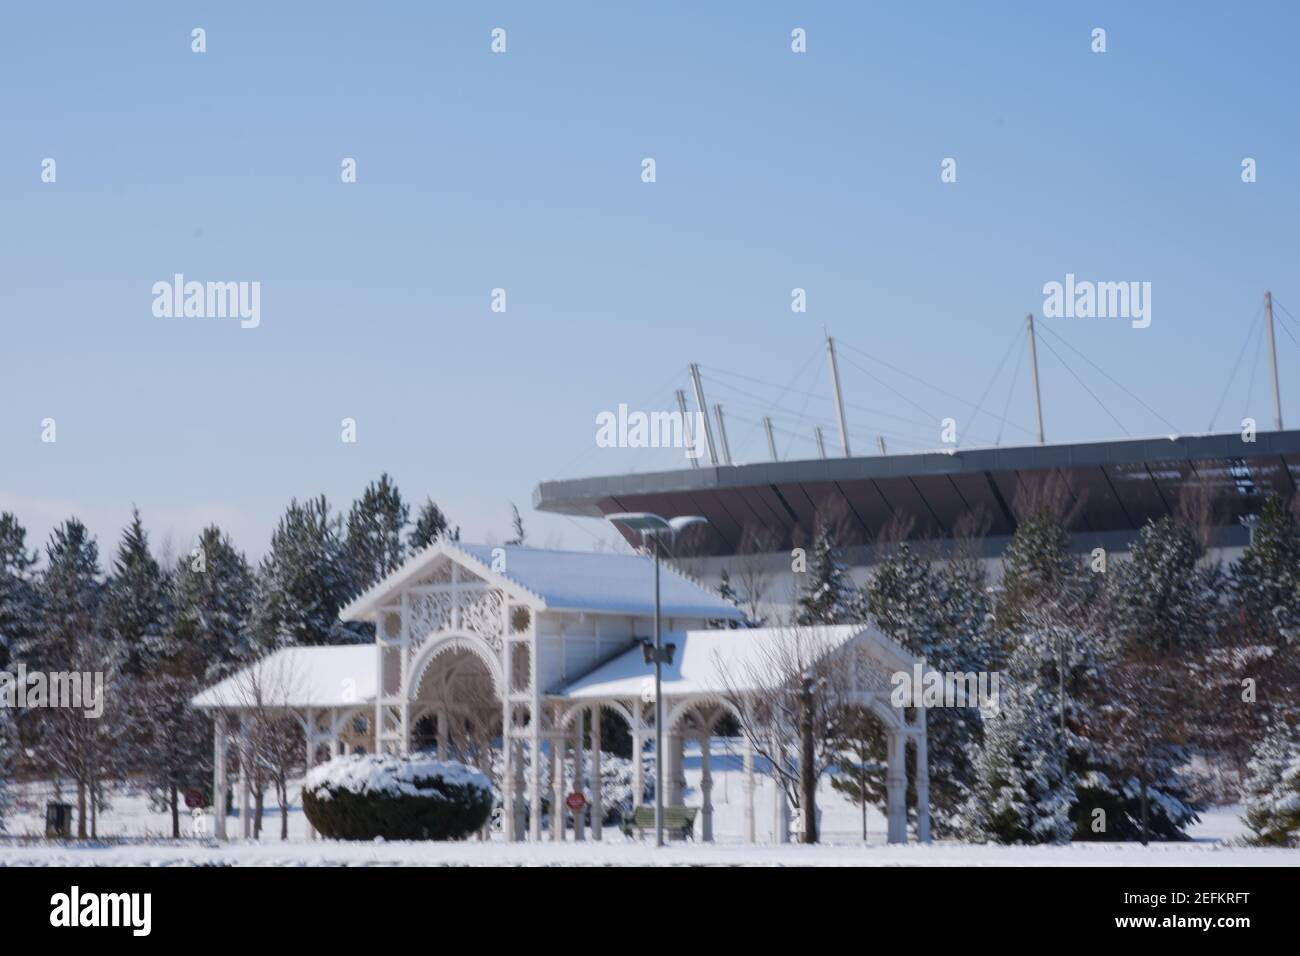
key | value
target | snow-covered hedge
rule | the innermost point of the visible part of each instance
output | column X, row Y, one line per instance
column 362, row 797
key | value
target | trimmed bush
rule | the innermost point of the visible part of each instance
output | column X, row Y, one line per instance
column 398, row 798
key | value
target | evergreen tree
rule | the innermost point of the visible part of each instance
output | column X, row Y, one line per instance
column 859, row 764
column 213, row 592
column 1265, row 581
column 1036, row 568
column 137, row 602
column 19, row 596
column 828, row 595
column 1023, row 791
column 517, row 526
column 8, row 759
column 728, row 594
column 430, row 526
column 71, row 597
column 934, row 615
column 1272, row 789
column 374, row 532
column 304, row 581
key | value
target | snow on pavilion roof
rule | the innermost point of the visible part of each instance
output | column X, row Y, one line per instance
column 717, row 661
column 563, row 581
column 335, row 676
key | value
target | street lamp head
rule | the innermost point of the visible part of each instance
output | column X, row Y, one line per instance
column 650, row 524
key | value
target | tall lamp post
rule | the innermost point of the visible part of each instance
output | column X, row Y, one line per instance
column 653, row 528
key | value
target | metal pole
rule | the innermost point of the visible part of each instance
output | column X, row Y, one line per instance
column 659, row 712
column 722, row 435
column 839, row 397
column 821, row 444
column 704, row 412
column 880, row 441
column 686, row 428
column 1033, row 363
column 771, row 439
column 1272, row 353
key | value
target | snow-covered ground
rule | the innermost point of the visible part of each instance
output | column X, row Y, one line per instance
column 132, row 835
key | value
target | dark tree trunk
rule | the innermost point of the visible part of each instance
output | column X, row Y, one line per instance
column 807, row 776
column 176, row 813
column 1145, row 810
column 81, row 810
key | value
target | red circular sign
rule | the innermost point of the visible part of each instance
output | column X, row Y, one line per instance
column 193, row 799
column 575, row 801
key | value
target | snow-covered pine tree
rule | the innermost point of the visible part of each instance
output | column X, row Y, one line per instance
column 727, row 593
column 304, row 581
column 930, row 614
column 827, row 592
column 376, row 523
column 430, row 526
column 1023, row 791
column 1272, row 789
column 1161, row 609
column 516, row 527
column 8, row 759
column 859, row 765
column 212, row 596
column 1036, row 568
column 19, row 597
column 1265, row 580
column 137, row 602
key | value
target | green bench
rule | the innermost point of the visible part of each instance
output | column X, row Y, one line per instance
column 678, row 822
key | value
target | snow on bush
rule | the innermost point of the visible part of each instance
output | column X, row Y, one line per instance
column 362, row 797
column 1273, row 789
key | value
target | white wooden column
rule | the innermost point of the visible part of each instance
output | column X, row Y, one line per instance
column 638, row 758
column 310, row 728
column 597, row 801
column 579, row 821
column 706, row 789
column 780, row 806
column 535, row 778
column 896, row 789
column 219, row 807
column 674, row 743
column 245, row 819
column 518, row 809
column 557, row 785
column 750, row 783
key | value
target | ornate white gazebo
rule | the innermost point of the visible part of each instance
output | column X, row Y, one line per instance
column 480, row 644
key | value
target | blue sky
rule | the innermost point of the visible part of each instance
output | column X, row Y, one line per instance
column 522, row 171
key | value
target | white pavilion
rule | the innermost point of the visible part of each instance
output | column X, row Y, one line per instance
column 511, row 646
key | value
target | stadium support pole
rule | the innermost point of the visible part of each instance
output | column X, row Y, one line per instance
column 821, row 443
column 704, row 412
column 839, row 396
column 722, row 435
column 1272, row 355
column 771, row 439
column 687, row 434
column 1033, row 364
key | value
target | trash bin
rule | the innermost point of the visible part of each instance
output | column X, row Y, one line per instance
column 58, row 821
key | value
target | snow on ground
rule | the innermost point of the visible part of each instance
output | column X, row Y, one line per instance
column 132, row 835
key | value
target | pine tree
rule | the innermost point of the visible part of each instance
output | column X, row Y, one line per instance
column 934, row 615
column 827, row 594
column 304, row 581
column 8, row 759
column 728, row 594
column 375, row 526
column 137, row 602
column 1036, row 568
column 859, row 763
column 517, row 526
column 1272, row 789
column 210, row 635
column 430, row 526
column 1023, row 791
column 1265, row 581
column 19, row 596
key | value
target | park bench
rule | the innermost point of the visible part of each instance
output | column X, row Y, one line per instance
column 678, row 822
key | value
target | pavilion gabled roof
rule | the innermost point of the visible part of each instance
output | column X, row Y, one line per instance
column 551, row 580
column 332, row 676
column 718, row 661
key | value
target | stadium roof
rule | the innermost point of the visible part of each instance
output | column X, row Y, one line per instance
column 1115, row 486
